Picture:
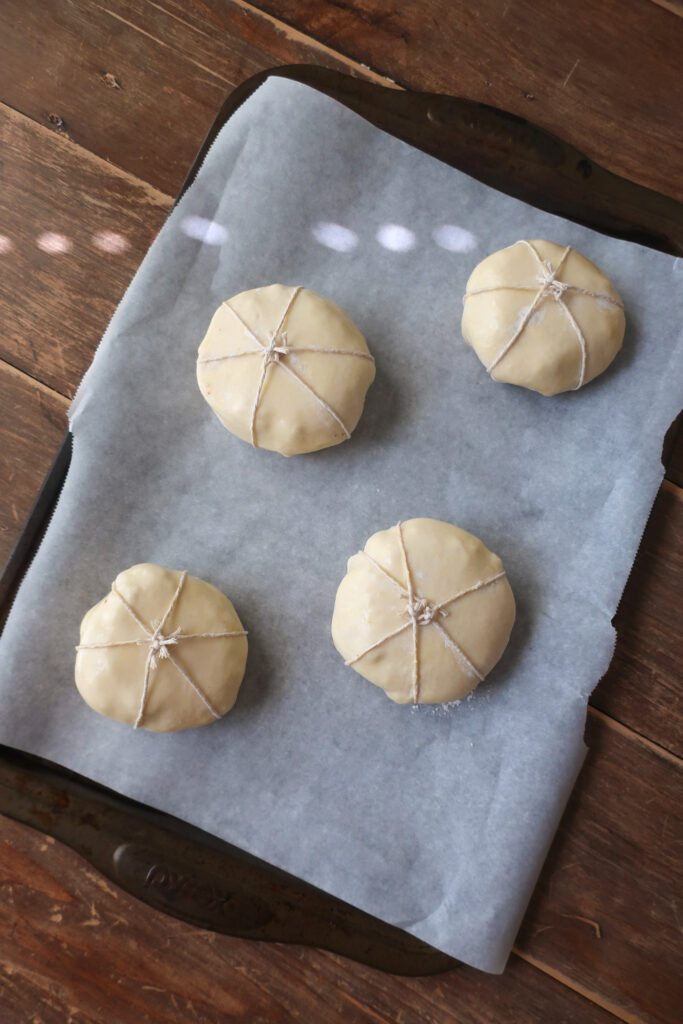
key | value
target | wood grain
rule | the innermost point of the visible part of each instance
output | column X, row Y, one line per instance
column 605, row 912
column 123, row 92
column 643, row 685
column 603, row 919
column 584, row 71
column 75, row 947
column 31, row 426
column 55, row 305
column 88, row 65
column 135, row 84
column 615, row 855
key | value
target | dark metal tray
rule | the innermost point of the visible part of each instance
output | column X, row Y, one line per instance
column 165, row 862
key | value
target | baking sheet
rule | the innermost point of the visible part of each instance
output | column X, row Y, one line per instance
column 436, row 820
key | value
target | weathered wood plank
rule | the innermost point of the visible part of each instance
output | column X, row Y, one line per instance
column 583, row 71
column 605, row 912
column 32, row 423
column 170, row 63
column 643, row 687
column 178, row 63
column 63, row 927
column 76, row 229
column 135, row 84
column 604, row 919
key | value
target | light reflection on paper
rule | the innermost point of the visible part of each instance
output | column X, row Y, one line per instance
column 110, row 241
column 334, row 236
column 454, row 238
column 6, row 244
column 54, row 243
column 203, row 230
column 396, row 237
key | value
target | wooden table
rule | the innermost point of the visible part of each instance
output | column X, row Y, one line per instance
column 102, row 109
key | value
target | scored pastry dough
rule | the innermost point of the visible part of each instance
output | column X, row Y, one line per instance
column 542, row 316
column 425, row 611
column 285, row 369
column 163, row 650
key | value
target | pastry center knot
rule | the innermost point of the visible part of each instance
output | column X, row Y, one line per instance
column 549, row 285
column 422, row 611
column 159, row 644
column 276, row 348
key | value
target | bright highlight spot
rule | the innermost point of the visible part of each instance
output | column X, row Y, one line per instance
column 203, row 230
column 54, row 243
column 454, row 239
column 334, row 236
column 6, row 244
column 110, row 241
column 396, row 238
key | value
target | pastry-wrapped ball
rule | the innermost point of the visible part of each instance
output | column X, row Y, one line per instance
column 425, row 611
column 163, row 650
column 285, row 369
column 542, row 316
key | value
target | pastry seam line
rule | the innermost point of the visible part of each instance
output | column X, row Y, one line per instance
column 159, row 647
column 549, row 287
column 271, row 354
column 418, row 606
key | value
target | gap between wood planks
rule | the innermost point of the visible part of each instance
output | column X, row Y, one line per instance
column 291, row 33
column 164, row 199
column 590, row 994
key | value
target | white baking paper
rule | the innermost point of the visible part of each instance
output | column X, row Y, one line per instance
column 434, row 821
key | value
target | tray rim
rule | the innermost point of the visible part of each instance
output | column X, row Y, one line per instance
column 37, row 521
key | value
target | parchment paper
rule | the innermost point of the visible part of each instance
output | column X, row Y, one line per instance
column 436, row 822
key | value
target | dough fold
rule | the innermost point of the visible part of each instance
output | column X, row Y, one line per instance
column 163, row 650
column 542, row 316
column 285, row 369
column 425, row 611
